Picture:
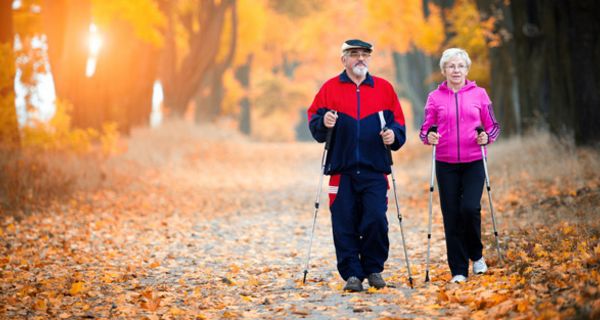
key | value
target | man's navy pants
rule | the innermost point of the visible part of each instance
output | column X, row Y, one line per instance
column 358, row 204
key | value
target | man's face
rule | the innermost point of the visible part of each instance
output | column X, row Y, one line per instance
column 356, row 61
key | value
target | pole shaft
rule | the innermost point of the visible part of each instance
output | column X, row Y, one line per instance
column 489, row 192
column 401, row 227
column 430, row 212
column 317, row 199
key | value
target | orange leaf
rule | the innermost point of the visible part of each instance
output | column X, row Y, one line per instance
column 442, row 296
column 76, row 288
column 522, row 305
column 151, row 304
column 40, row 305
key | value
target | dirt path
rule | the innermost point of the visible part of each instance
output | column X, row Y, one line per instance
column 222, row 231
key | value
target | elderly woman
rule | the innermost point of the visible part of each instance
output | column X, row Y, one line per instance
column 458, row 107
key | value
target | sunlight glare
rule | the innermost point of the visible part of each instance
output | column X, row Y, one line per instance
column 95, row 41
column 94, row 44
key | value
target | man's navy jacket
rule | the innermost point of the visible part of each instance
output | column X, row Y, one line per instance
column 356, row 143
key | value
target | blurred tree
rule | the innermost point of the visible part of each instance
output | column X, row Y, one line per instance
column 503, row 83
column 120, row 89
column 469, row 32
column 193, row 34
column 583, row 37
column 9, row 128
column 127, row 64
column 66, row 24
column 555, row 80
column 417, row 36
column 210, row 96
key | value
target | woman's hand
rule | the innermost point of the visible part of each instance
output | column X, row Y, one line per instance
column 433, row 137
column 482, row 138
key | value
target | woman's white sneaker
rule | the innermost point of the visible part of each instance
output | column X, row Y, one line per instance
column 458, row 278
column 479, row 266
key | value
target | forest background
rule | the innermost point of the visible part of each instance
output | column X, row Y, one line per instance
column 137, row 86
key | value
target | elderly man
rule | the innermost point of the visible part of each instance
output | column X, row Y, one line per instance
column 356, row 105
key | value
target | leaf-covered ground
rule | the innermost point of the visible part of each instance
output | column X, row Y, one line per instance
column 202, row 225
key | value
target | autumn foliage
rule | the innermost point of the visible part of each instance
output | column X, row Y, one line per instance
column 103, row 217
column 204, row 227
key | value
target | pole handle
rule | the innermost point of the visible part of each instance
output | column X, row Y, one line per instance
column 389, row 151
column 433, row 128
column 329, row 134
column 479, row 130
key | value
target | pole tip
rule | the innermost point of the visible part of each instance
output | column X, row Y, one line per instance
column 305, row 273
column 410, row 280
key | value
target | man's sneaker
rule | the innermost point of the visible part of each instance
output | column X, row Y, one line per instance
column 353, row 284
column 458, row 278
column 479, row 266
column 375, row 280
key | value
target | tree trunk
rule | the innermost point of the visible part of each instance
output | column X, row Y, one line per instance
column 9, row 127
column 412, row 85
column 209, row 107
column 120, row 90
column 556, row 62
column 209, row 99
column 584, row 36
column 124, row 79
column 182, row 83
column 242, row 73
column 66, row 24
column 504, row 84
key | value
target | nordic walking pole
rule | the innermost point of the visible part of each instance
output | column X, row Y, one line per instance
column 431, row 129
column 410, row 280
column 489, row 192
column 317, row 200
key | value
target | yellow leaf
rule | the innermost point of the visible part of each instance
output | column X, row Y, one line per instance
column 234, row 269
column 176, row 311
column 371, row 290
column 252, row 281
column 246, row 298
column 109, row 277
column 154, row 264
column 230, row 315
column 76, row 288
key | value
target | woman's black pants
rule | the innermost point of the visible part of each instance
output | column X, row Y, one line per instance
column 460, row 188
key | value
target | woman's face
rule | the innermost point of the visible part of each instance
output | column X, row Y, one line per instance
column 456, row 71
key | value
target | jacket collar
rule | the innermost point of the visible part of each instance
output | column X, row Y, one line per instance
column 368, row 79
column 468, row 85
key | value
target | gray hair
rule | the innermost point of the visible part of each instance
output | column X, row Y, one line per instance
column 454, row 52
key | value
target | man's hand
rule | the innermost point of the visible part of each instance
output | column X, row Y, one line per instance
column 482, row 138
column 387, row 136
column 330, row 118
column 433, row 137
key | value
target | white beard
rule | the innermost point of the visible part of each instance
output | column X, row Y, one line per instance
column 360, row 70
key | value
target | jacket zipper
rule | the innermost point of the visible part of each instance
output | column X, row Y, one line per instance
column 357, row 129
column 457, row 126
